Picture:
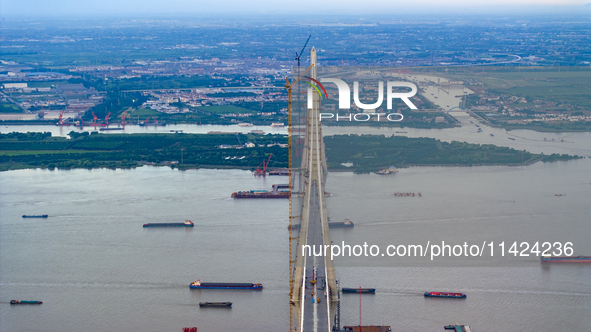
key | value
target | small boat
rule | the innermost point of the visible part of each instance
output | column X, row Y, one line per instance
column 458, row 328
column 446, row 294
column 492, row 135
column 25, row 302
column 386, row 171
column 216, row 304
column 511, row 138
column 359, row 290
column 559, row 195
column 35, row 216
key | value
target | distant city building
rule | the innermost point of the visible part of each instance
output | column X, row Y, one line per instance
column 14, row 85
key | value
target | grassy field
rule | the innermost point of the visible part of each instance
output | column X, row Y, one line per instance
column 9, row 108
column 143, row 113
column 38, row 152
column 570, row 85
column 226, row 109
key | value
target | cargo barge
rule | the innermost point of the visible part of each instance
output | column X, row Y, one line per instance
column 566, row 259
column 279, row 191
column 223, row 285
column 216, row 304
column 344, row 223
column 458, row 328
column 114, row 128
column 187, row 223
column 35, row 216
column 279, row 172
column 25, row 302
column 359, row 290
column 446, row 294
column 260, row 194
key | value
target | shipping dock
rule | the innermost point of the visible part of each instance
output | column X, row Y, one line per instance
column 25, row 302
column 278, row 191
column 35, row 216
column 446, row 295
column 224, row 285
column 216, row 304
column 566, row 259
column 359, row 290
column 187, row 223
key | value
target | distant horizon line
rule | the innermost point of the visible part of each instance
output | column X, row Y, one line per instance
column 434, row 10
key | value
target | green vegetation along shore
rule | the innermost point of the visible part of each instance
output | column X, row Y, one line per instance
column 366, row 153
column 370, row 153
column 32, row 150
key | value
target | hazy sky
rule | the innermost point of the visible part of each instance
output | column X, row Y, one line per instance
column 16, row 8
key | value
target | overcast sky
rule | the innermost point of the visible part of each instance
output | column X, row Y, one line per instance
column 24, row 8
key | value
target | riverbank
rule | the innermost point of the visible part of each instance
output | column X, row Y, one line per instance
column 366, row 153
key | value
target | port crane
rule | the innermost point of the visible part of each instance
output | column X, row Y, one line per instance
column 61, row 121
column 263, row 172
column 95, row 117
column 123, row 118
column 107, row 118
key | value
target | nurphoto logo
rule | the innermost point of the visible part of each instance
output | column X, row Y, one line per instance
column 345, row 99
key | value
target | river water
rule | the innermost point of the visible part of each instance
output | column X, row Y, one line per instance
column 458, row 205
column 94, row 266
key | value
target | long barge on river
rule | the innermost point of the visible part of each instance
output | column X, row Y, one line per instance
column 566, row 259
column 359, row 290
column 187, row 223
column 224, row 285
column 446, row 294
column 35, row 216
column 216, row 304
column 278, row 191
column 25, row 302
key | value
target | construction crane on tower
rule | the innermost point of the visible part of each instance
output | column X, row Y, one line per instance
column 299, row 55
